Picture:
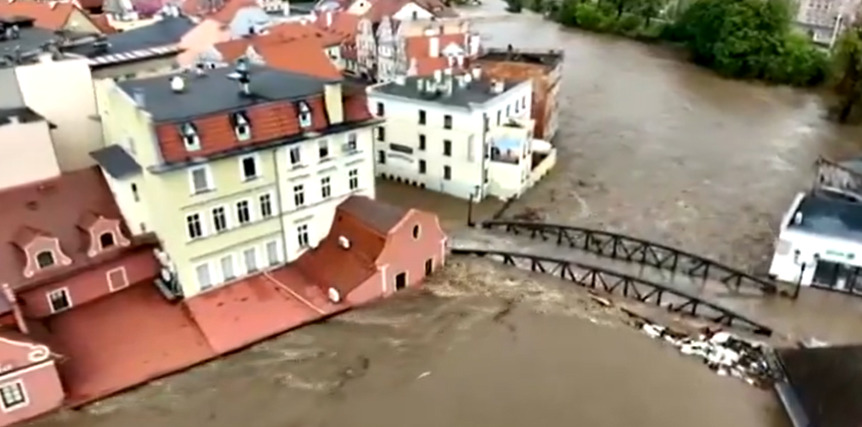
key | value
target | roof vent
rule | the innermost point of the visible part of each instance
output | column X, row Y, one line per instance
column 477, row 73
column 343, row 242
column 797, row 218
column 178, row 85
column 334, row 295
column 497, row 86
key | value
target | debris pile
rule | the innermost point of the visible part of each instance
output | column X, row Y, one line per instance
column 722, row 352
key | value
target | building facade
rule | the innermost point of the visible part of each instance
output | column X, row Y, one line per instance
column 457, row 134
column 233, row 183
column 825, row 20
column 543, row 68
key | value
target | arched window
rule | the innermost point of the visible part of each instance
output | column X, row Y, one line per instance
column 106, row 240
column 45, row 259
column 415, row 231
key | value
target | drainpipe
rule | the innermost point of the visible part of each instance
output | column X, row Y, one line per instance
column 278, row 201
column 16, row 309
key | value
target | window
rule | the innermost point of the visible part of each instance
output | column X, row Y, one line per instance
column 243, row 214
column 353, row 178
column 381, row 133
column 415, row 231
column 447, row 147
column 200, row 179
column 13, row 396
column 299, row 195
column 380, row 109
column 250, row 257
column 190, row 136
column 272, row 253
column 294, row 156
column 204, row 279
column 447, row 173
column 304, row 115
column 447, row 122
column 401, row 148
column 421, row 142
column 421, row 117
column 241, row 127
column 524, row 102
column 351, row 142
column 381, row 157
column 227, row 270
column 194, row 227
column 302, row 235
column 325, row 187
column 106, row 240
column 117, row 278
column 219, row 219
column 508, row 113
column 517, row 107
column 422, row 166
column 248, row 167
column 135, row 195
column 265, row 205
column 59, row 300
column 323, row 149
column 45, row 259
column 499, row 115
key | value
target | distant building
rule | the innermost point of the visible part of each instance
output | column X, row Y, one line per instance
column 458, row 134
column 544, row 68
column 375, row 10
column 820, row 242
column 50, row 15
column 825, row 20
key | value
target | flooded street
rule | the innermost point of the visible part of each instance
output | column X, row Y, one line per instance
column 649, row 145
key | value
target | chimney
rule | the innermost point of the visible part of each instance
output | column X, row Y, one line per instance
column 139, row 97
column 420, row 85
column 477, row 73
column 178, row 85
column 16, row 309
column 433, row 47
column 438, row 76
column 53, row 5
column 400, row 80
column 449, row 86
column 328, row 19
column 334, row 101
column 497, row 86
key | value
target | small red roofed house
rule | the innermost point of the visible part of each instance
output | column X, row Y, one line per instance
column 29, row 382
column 374, row 250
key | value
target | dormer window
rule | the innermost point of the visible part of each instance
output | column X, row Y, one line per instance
column 45, row 259
column 106, row 240
column 304, row 115
column 241, row 126
column 191, row 140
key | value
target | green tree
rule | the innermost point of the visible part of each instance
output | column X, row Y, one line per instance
column 847, row 69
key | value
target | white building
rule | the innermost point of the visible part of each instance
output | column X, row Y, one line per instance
column 459, row 135
column 820, row 242
column 824, row 20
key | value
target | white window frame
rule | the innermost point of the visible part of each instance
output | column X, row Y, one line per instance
column 298, row 150
column 239, row 222
column 53, row 259
column 272, row 209
column 278, row 255
column 111, row 286
column 257, row 263
column 200, row 221
column 353, row 175
column 297, row 193
column 191, row 141
column 226, row 213
column 233, row 268
column 302, row 230
column 305, row 117
column 24, row 403
column 242, row 129
column 326, row 187
column 323, row 146
column 63, row 290
column 209, row 178
column 256, row 159
column 209, row 276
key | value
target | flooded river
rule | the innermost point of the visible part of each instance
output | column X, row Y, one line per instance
column 648, row 145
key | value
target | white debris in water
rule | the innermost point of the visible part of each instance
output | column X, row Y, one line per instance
column 423, row 375
column 723, row 352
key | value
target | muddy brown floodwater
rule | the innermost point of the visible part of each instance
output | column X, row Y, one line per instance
column 648, row 145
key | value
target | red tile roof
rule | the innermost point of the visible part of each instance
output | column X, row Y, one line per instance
column 223, row 13
column 343, row 24
column 90, row 4
column 290, row 31
column 314, row 62
column 381, row 8
column 226, row 14
column 365, row 223
column 48, row 15
column 53, row 208
column 418, row 50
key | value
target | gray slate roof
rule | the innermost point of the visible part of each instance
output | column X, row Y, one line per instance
column 477, row 92
column 169, row 30
column 830, row 215
column 215, row 92
column 116, row 161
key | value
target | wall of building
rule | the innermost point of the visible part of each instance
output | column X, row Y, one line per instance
column 26, row 154
column 140, row 268
column 62, row 92
column 43, row 388
column 405, row 253
column 545, row 89
column 200, row 38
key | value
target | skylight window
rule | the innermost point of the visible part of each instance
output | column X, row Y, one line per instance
column 241, row 126
column 304, row 115
column 190, row 136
